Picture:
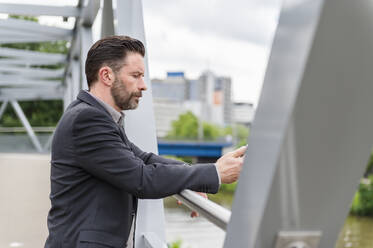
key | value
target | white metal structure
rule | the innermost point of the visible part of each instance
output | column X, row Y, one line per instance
column 20, row 81
column 309, row 141
column 312, row 134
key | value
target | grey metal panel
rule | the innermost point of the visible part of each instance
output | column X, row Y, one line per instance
column 32, row 72
column 27, row 62
column 10, row 35
column 13, row 39
column 67, row 98
column 75, row 76
column 312, row 127
column 16, row 81
column 23, row 26
column 89, row 13
column 85, row 34
column 37, row 56
column 130, row 22
column 150, row 218
column 36, row 10
column 107, row 25
column 44, row 93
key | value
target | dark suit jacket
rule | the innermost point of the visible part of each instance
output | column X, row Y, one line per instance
column 97, row 174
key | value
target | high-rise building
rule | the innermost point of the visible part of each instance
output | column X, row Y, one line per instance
column 216, row 94
column 174, row 87
column 208, row 97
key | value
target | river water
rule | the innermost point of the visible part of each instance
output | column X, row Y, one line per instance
column 200, row 233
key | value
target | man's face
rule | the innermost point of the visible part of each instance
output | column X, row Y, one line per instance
column 129, row 82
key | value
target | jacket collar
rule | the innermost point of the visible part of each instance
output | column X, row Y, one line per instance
column 84, row 96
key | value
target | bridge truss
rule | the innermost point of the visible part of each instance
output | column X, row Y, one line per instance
column 310, row 139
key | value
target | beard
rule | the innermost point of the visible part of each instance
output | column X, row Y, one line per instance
column 122, row 98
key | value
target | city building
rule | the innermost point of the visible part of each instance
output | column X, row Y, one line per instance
column 209, row 97
column 243, row 113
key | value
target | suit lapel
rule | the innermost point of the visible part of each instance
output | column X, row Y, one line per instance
column 84, row 96
column 124, row 136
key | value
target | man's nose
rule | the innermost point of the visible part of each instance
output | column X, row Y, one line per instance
column 142, row 85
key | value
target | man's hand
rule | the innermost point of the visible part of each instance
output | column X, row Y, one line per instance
column 229, row 166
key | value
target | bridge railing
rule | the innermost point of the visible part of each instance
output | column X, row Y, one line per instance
column 215, row 213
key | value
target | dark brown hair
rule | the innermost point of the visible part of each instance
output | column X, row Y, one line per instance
column 110, row 51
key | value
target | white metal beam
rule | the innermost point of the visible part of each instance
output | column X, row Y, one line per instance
column 32, row 72
column 130, row 19
column 35, row 141
column 68, row 92
column 26, row 62
column 89, row 13
column 8, row 40
column 23, row 26
column 3, row 107
column 46, row 93
column 107, row 25
column 15, row 40
column 36, row 10
column 86, row 42
column 75, row 77
column 83, row 26
column 17, row 81
column 314, row 117
column 16, row 33
column 48, row 144
column 150, row 217
column 19, row 53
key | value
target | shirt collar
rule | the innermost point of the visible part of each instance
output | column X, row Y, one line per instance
column 118, row 117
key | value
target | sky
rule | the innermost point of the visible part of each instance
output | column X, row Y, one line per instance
column 230, row 38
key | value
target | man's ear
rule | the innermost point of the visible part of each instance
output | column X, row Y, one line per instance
column 106, row 76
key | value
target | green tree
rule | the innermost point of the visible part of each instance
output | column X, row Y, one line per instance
column 362, row 203
column 241, row 133
column 186, row 127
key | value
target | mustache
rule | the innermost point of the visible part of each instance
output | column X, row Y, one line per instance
column 138, row 94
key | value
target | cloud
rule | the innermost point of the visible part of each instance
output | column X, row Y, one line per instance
column 251, row 21
column 230, row 38
column 174, row 48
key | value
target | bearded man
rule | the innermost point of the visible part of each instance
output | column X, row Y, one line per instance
column 97, row 174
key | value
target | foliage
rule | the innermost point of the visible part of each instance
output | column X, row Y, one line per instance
column 241, row 133
column 211, row 131
column 362, row 204
column 175, row 244
column 228, row 188
column 59, row 46
column 38, row 113
column 186, row 127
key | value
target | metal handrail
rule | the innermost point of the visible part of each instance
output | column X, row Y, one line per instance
column 215, row 213
column 23, row 129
